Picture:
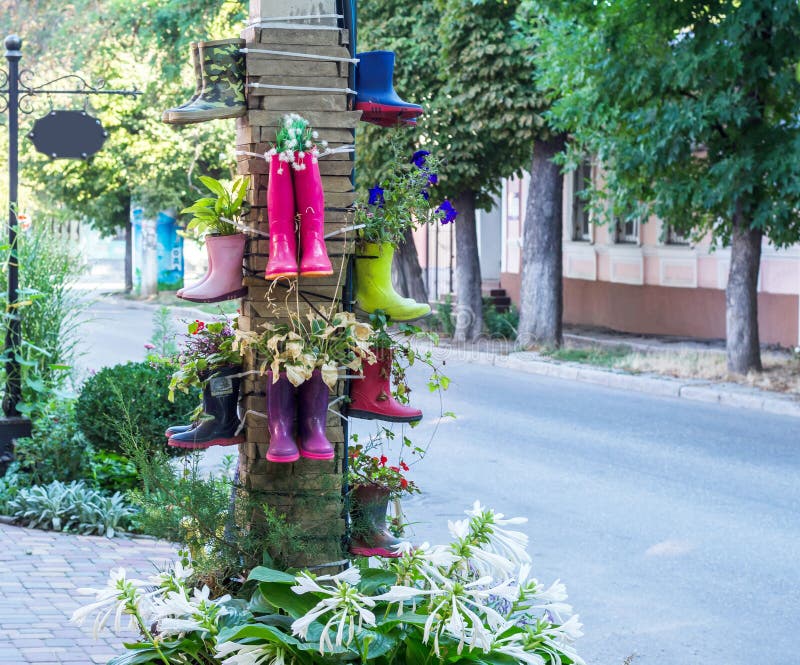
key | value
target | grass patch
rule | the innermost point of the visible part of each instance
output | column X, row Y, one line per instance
column 598, row 356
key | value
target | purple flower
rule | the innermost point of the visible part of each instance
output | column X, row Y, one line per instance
column 376, row 196
column 433, row 179
column 418, row 159
column 449, row 212
column 425, row 194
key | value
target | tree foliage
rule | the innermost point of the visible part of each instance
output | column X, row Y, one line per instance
column 692, row 107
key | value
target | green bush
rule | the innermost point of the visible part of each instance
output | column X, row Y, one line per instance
column 143, row 386
column 502, row 325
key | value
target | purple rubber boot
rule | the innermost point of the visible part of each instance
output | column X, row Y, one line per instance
column 281, row 401
column 312, row 412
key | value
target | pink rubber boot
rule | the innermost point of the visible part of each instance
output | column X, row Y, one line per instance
column 281, row 211
column 203, row 280
column 314, row 261
column 225, row 256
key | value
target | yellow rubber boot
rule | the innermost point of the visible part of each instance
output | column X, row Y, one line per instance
column 374, row 288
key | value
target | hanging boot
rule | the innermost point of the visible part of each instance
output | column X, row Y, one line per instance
column 179, row 293
column 310, row 202
column 194, row 52
column 374, row 288
column 222, row 96
column 370, row 537
column 281, row 409
column 371, row 397
column 281, row 211
column 178, row 429
column 312, row 415
column 220, row 401
column 225, row 256
column 375, row 95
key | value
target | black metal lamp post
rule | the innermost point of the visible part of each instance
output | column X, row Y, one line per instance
column 13, row 426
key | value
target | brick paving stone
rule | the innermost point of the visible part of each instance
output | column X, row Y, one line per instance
column 42, row 571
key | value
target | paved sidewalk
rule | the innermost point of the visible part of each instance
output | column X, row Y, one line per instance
column 41, row 571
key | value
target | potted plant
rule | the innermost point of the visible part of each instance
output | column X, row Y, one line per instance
column 218, row 219
column 209, row 360
column 401, row 202
column 373, row 483
column 301, row 360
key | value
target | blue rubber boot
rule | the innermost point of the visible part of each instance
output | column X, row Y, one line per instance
column 376, row 96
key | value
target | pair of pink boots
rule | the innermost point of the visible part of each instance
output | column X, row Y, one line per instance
column 223, row 281
column 296, row 189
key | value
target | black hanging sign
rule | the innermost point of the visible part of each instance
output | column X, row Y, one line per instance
column 68, row 135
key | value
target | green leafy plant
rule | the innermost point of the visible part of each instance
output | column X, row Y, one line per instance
column 206, row 347
column 140, row 388
column 113, row 472
column 366, row 469
column 471, row 600
column 70, row 507
column 162, row 342
column 221, row 213
column 500, row 325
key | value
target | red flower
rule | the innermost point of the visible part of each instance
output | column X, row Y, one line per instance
column 384, row 459
column 395, row 469
column 403, row 483
column 404, row 466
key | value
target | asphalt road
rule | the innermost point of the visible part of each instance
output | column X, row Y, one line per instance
column 675, row 525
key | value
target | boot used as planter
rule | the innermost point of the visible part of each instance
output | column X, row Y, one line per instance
column 375, row 96
column 224, row 279
column 220, row 421
column 374, row 289
column 281, row 409
column 310, row 200
column 371, row 397
column 194, row 54
column 223, row 76
column 312, row 416
column 281, row 212
column 370, row 536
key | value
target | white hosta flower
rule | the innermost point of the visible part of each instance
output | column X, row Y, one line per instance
column 120, row 596
column 551, row 602
column 514, row 646
column 347, row 606
column 174, row 577
column 177, row 613
column 507, row 543
column 233, row 653
column 169, row 627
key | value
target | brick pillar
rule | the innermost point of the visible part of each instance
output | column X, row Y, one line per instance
column 307, row 493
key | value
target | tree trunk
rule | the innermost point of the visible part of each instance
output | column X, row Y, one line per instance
column 469, row 307
column 407, row 272
column 741, row 298
column 541, row 294
column 128, row 252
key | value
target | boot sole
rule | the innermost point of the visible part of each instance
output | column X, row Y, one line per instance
column 282, row 460
column 369, row 415
column 228, row 296
column 316, row 273
column 375, row 551
column 192, row 117
column 280, row 275
column 317, row 456
column 234, row 441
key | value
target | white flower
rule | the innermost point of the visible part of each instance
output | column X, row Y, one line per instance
column 174, row 577
column 514, row 646
column 507, row 543
column 344, row 601
column 252, row 654
column 168, row 627
column 119, row 596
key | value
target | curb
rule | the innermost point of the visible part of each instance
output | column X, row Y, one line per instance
column 726, row 394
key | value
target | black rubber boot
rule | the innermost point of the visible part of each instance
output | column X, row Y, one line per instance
column 220, row 421
column 370, row 536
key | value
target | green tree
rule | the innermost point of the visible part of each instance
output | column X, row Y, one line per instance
column 692, row 108
column 482, row 110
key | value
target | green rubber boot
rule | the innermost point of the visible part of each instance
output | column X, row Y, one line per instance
column 374, row 288
column 222, row 96
column 194, row 54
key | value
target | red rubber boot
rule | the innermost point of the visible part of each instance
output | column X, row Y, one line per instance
column 371, row 397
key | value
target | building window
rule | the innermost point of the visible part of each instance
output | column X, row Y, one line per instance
column 626, row 230
column 676, row 237
column 581, row 181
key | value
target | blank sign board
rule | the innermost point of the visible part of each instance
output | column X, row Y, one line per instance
column 68, row 135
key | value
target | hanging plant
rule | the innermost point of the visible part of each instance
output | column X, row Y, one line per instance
column 220, row 214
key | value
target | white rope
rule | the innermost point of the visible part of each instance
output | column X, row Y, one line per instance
column 301, row 17
column 275, row 22
column 311, row 56
column 346, row 229
column 336, row 151
column 244, row 227
column 270, row 86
